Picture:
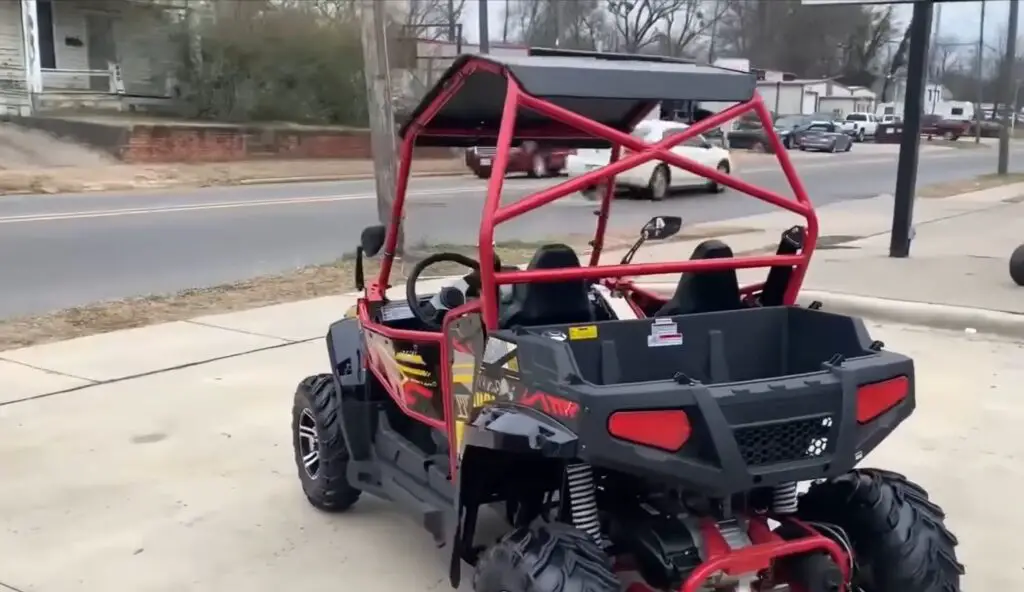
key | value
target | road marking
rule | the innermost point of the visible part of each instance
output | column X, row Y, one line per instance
column 528, row 186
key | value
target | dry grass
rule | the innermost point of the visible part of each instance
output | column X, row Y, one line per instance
column 302, row 284
column 968, row 185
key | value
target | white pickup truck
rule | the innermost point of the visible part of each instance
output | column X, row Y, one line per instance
column 860, row 125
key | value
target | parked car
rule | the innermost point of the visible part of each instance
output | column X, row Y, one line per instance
column 822, row 136
column 860, row 126
column 654, row 179
column 948, row 129
column 527, row 158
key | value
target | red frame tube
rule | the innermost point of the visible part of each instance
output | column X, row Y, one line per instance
column 494, row 213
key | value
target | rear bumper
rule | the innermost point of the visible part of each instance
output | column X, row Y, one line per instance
column 746, row 436
column 576, row 166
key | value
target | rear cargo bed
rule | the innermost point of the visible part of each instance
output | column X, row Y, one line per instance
column 715, row 348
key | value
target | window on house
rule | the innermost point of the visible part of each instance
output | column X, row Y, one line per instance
column 44, row 20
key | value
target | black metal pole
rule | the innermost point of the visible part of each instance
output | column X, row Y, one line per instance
column 913, row 103
column 485, row 27
column 1009, row 89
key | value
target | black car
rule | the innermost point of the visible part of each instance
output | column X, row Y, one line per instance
column 821, row 136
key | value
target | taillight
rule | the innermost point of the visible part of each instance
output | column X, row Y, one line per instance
column 666, row 429
column 875, row 399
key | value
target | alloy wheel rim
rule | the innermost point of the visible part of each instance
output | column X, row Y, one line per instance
column 309, row 444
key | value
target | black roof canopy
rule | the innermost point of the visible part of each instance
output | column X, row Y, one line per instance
column 612, row 89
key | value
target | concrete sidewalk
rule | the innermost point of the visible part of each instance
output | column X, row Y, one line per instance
column 159, row 459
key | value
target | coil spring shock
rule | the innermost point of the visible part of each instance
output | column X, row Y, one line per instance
column 785, row 499
column 583, row 500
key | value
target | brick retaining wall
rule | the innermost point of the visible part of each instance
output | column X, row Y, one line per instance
column 160, row 143
column 168, row 143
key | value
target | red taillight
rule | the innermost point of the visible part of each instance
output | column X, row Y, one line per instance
column 875, row 399
column 663, row 429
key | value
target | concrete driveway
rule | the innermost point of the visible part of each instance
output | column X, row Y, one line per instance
column 183, row 479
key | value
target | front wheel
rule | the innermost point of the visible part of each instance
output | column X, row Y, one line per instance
column 860, row 136
column 899, row 537
column 321, row 454
column 545, row 558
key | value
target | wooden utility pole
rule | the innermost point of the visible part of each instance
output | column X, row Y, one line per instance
column 373, row 21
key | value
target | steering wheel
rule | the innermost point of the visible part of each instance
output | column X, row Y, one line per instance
column 448, row 297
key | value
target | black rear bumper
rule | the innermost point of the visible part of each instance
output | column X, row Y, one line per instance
column 755, row 434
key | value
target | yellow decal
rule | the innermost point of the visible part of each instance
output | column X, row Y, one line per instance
column 481, row 398
column 584, row 332
column 460, row 431
column 410, row 357
column 512, row 365
column 413, row 371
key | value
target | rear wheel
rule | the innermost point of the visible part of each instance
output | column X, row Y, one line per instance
column 321, row 454
column 899, row 538
column 545, row 558
column 860, row 135
column 759, row 146
column 483, row 174
column 658, row 186
column 714, row 187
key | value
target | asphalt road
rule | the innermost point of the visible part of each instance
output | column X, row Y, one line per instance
column 58, row 251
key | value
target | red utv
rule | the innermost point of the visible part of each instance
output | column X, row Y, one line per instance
column 629, row 438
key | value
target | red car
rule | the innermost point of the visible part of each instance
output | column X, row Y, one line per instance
column 527, row 158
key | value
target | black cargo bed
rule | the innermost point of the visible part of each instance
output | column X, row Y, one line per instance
column 712, row 348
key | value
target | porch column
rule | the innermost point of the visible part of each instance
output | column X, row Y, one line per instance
column 30, row 40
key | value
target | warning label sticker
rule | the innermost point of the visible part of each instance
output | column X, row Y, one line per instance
column 664, row 332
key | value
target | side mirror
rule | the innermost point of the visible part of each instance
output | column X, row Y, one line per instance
column 662, row 227
column 372, row 239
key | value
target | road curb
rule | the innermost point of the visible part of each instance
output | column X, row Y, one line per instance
column 174, row 183
column 940, row 316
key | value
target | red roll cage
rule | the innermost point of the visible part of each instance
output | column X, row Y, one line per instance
column 568, row 126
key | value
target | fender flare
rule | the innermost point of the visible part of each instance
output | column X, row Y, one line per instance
column 345, row 349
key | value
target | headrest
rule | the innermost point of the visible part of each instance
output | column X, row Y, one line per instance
column 712, row 249
column 554, row 256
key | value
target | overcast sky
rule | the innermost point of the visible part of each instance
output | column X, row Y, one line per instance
column 959, row 19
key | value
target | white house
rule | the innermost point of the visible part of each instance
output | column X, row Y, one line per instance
column 72, row 52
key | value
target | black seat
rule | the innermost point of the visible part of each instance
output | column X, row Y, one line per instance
column 708, row 291
column 550, row 303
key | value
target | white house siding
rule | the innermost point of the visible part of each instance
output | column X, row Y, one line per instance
column 13, row 96
column 782, row 98
column 838, row 105
column 142, row 41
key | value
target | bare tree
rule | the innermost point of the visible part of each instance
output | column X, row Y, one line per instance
column 434, row 19
column 575, row 24
column 637, row 22
column 689, row 24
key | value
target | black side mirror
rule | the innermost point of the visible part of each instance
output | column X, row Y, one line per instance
column 372, row 239
column 661, row 227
